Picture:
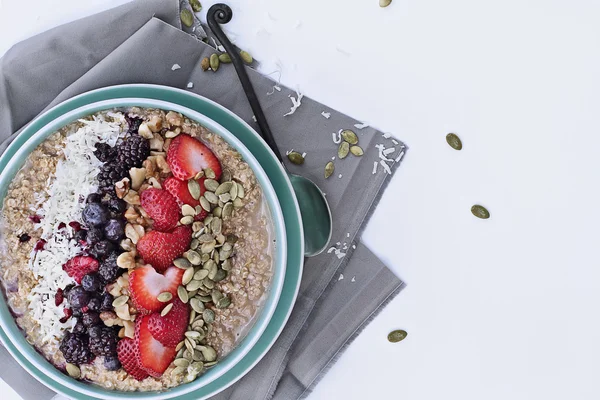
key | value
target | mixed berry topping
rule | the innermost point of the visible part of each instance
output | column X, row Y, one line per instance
column 75, row 348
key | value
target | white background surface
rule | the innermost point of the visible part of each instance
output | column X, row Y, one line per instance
column 496, row 309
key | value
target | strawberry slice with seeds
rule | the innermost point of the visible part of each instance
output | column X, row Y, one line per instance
column 145, row 284
column 187, row 156
column 153, row 357
column 161, row 248
column 179, row 190
column 128, row 354
column 162, row 207
column 79, row 266
column 170, row 329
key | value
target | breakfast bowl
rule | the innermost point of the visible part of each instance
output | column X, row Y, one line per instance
column 263, row 320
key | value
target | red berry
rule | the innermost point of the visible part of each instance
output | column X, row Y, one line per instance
column 35, row 218
column 169, row 330
column 187, row 156
column 75, row 225
column 59, row 297
column 39, row 245
column 179, row 190
column 161, row 248
column 128, row 354
column 161, row 207
column 154, row 357
column 145, row 284
column 68, row 312
column 79, row 266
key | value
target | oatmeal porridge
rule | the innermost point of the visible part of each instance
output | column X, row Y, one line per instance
column 136, row 249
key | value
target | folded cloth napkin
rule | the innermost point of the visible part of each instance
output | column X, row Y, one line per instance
column 343, row 288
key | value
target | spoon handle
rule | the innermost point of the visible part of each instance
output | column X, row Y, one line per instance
column 221, row 14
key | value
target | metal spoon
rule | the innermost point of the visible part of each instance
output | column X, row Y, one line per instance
column 316, row 215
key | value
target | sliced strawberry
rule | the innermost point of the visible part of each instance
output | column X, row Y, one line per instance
column 154, row 357
column 201, row 216
column 187, row 156
column 79, row 266
column 161, row 207
column 128, row 354
column 161, row 248
column 179, row 190
column 145, row 284
column 169, row 329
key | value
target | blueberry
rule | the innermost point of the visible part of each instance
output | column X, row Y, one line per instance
column 95, row 303
column 102, row 249
column 91, row 318
column 91, row 282
column 109, row 270
column 79, row 327
column 95, row 331
column 116, row 205
column 94, row 235
column 95, row 214
column 80, row 235
column 77, row 313
column 78, row 297
column 112, row 363
column 107, row 300
column 94, row 198
column 114, row 230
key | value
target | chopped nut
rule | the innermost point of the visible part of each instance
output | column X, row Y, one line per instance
column 123, row 312
column 110, row 318
column 157, row 142
column 123, row 280
column 167, row 144
column 171, row 134
column 129, row 329
column 114, row 290
column 145, row 131
column 150, row 165
column 132, row 197
column 122, row 188
column 174, row 119
column 137, row 177
column 126, row 260
column 155, row 123
column 134, row 232
column 162, row 165
column 121, row 333
column 131, row 214
column 127, row 245
column 154, row 183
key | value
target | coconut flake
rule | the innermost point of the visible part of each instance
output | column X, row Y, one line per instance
column 399, row 156
column 387, row 135
column 326, row 114
column 385, row 167
column 381, row 149
column 353, row 279
column 395, row 141
column 374, row 167
column 254, row 118
column 175, row 67
column 341, row 277
column 304, row 155
column 340, row 176
column 275, row 88
column 296, row 102
column 361, row 126
column 190, row 85
column 389, row 151
column 337, row 139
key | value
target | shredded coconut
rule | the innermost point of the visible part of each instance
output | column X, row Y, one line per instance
column 389, row 151
column 353, row 279
column 385, row 167
column 374, row 167
column 395, row 141
column 341, row 276
column 399, row 156
column 296, row 102
column 304, row 155
column 175, row 67
column 340, row 176
column 337, row 138
column 326, row 114
column 361, row 126
column 387, row 135
column 381, row 149
column 275, row 88
column 190, row 85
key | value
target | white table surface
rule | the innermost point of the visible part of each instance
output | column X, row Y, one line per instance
column 496, row 309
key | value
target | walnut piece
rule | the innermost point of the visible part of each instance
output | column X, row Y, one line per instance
column 174, row 119
column 157, row 142
column 161, row 164
column 126, row 260
column 150, row 165
column 131, row 215
column 134, row 232
column 154, row 183
column 132, row 197
column 137, row 177
column 122, row 188
column 155, row 123
column 129, row 329
column 145, row 131
column 110, row 318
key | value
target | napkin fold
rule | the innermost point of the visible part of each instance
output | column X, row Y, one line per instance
column 139, row 42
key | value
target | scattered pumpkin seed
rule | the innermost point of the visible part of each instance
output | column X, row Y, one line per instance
column 216, row 296
column 211, row 197
column 178, row 370
column 179, row 349
column 190, row 345
column 209, row 364
column 216, row 225
column 197, row 356
column 220, row 275
column 343, row 150
column 194, row 244
column 205, row 203
column 192, row 335
column 198, row 225
column 225, row 58
column 246, row 57
column 187, row 17
column 454, row 141
column 208, row 283
column 193, row 256
column 209, row 173
column 182, row 263
column 224, row 187
column 192, row 317
column 480, row 211
column 119, row 301
column 201, row 274
column 225, row 197
column 238, row 203
column 226, row 265
column 295, row 158
column 187, row 220
column 214, row 63
column 208, row 247
column 357, row 151
column 73, row 370
column 196, row 6
column 218, row 212
column 209, row 353
column 197, row 305
column 223, row 302
column 166, row 310
column 164, row 297
column 199, row 175
column 349, row 136
column 183, row 294
column 227, row 210
column 208, row 316
column 329, row 168
column 232, row 238
column 211, row 184
column 188, row 210
column 241, row 192
column 181, row 362
column 397, row 335
column 384, row 3
column 187, row 354
column 233, row 192
column 187, row 277
column 193, row 285
column 194, row 188
column 205, row 64
column 205, row 299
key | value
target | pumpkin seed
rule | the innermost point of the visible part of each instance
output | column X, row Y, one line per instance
column 329, row 168
column 178, row 370
column 205, row 299
column 188, row 220
column 196, row 367
column 223, row 302
column 187, row 17
column 343, row 150
column 183, row 294
column 205, row 64
column 295, row 158
column 187, row 277
column 199, row 323
column 192, row 335
column 238, row 203
column 349, row 136
column 221, row 274
column 205, row 203
column 194, row 245
column 211, row 197
column 232, row 238
column 214, row 64
column 221, row 238
column 246, row 57
column 211, row 184
column 228, row 209
column 192, row 293
column 182, row 263
column 209, row 173
column 396, row 336
column 206, row 238
column 209, row 353
column 480, row 211
column 241, row 192
column 197, row 305
column 216, row 296
column 209, row 364
column 186, row 210
column 192, row 316
column 199, row 175
column 208, row 283
column 197, row 356
column 194, row 188
column 190, row 345
column 218, row 212
column 166, row 310
column 212, row 270
column 205, row 257
column 201, row 274
column 384, row 3
column 208, row 247
column 189, row 378
column 233, row 192
column 181, row 362
column 193, row 256
column 179, row 349
column 208, row 316
column 225, row 197
column 73, row 370
column 196, row 6
column 164, row 297
column 216, row 225
column 225, row 58
column 357, row 151
column 119, row 301
column 198, row 225
column 187, row 354
column 193, row 285
column 454, row 141
column 224, row 187
column 226, row 175
column 226, row 265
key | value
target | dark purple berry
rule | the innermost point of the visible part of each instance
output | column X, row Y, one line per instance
column 108, row 270
column 116, row 205
column 112, row 363
column 95, row 331
column 104, row 152
column 94, row 198
column 78, row 297
column 105, row 342
column 90, row 319
column 91, row 282
column 114, row 230
column 102, row 249
column 134, row 123
column 95, row 303
column 95, row 214
column 94, row 235
column 77, row 313
column 80, row 236
column 107, row 300
column 75, row 348
column 79, row 327
column 24, row 238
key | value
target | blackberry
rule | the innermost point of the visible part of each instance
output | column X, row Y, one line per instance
column 102, row 249
column 116, row 205
column 134, row 123
column 91, row 318
column 104, row 152
column 107, row 300
column 112, row 363
column 78, row 297
column 91, row 282
column 110, row 173
column 109, row 271
column 104, row 343
column 79, row 327
column 94, row 198
column 24, row 238
column 133, row 151
column 95, row 303
column 77, row 313
column 94, row 235
column 75, row 348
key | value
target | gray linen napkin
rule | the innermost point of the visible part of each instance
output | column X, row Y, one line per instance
column 138, row 43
